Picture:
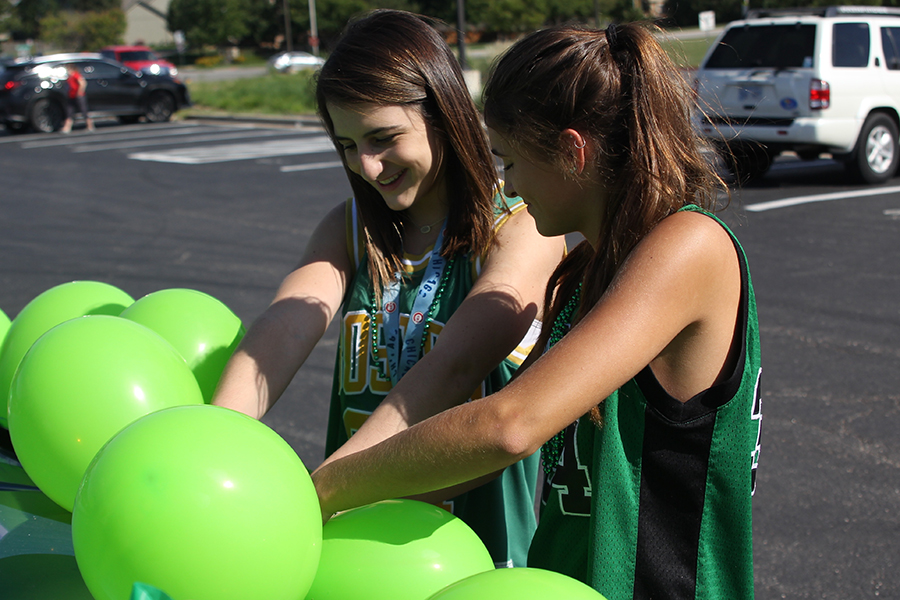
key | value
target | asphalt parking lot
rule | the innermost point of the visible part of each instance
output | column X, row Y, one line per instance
column 226, row 208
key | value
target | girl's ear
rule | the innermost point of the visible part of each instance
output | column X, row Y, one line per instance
column 575, row 143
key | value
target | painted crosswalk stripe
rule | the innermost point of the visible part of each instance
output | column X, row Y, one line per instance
column 198, row 139
column 201, row 155
column 312, row 166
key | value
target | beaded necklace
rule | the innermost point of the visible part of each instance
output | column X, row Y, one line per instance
column 432, row 309
column 553, row 447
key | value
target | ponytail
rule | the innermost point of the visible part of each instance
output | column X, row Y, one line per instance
column 619, row 88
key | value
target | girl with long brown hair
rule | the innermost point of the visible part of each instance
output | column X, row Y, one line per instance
column 437, row 276
column 642, row 393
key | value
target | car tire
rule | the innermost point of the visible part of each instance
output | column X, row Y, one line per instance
column 875, row 158
column 15, row 127
column 47, row 115
column 160, row 107
column 747, row 160
column 808, row 155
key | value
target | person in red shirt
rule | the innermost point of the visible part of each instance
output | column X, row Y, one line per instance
column 77, row 100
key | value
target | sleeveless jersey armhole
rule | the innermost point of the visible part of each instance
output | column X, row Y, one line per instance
column 504, row 208
column 355, row 243
column 716, row 396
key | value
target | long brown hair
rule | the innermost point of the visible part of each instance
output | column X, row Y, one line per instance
column 619, row 89
column 391, row 57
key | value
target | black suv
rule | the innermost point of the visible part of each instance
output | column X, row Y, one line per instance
column 34, row 92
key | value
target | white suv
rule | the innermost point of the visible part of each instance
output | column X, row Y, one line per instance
column 813, row 81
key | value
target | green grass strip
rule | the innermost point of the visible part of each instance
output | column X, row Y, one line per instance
column 276, row 94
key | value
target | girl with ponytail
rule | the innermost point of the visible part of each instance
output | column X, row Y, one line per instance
column 642, row 392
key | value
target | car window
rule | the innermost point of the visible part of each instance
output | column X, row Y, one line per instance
column 850, row 47
column 775, row 46
column 890, row 45
column 108, row 54
column 100, row 70
column 137, row 55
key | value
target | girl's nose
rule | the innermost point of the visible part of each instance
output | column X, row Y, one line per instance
column 369, row 166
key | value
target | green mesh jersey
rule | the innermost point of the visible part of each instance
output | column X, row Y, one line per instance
column 501, row 512
column 656, row 502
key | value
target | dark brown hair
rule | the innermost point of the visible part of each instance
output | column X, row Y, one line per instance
column 619, row 89
column 391, row 57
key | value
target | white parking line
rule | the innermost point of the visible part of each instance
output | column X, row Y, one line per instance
column 97, row 138
column 785, row 202
column 201, row 155
column 312, row 166
column 53, row 138
column 213, row 137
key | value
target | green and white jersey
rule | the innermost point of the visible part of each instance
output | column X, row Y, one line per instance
column 655, row 503
column 502, row 511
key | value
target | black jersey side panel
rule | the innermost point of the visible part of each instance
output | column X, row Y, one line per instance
column 673, row 487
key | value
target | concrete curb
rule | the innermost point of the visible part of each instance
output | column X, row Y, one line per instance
column 288, row 121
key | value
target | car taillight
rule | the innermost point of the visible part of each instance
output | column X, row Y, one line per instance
column 819, row 94
column 10, row 85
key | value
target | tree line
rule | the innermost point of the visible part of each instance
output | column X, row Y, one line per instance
column 89, row 24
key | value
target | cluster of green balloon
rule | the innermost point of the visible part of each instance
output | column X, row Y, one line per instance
column 396, row 550
column 78, row 381
column 52, row 307
column 199, row 502
column 521, row 584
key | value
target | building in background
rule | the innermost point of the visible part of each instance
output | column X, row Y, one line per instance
column 146, row 22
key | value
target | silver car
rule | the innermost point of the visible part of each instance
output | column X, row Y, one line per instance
column 289, row 62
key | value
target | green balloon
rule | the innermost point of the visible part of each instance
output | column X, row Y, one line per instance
column 396, row 550
column 52, row 307
column 518, row 584
column 4, row 327
column 200, row 502
column 203, row 330
column 78, row 385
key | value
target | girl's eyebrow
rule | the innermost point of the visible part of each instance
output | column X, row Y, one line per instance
column 374, row 132
column 497, row 153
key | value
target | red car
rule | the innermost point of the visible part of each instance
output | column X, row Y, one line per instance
column 140, row 58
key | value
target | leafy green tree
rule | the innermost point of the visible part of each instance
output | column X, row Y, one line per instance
column 444, row 10
column 332, row 15
column 9, row 20
column 209, row 22
column 25, row 17
column 563, row 11
column 103, row 28
column 624, row 11
column 29, row 13
column 265, row 21
column 506, row 16
column 684, row 13
column 90, row 5
column 80, row 31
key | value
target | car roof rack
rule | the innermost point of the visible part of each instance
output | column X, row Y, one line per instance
column 822, row 11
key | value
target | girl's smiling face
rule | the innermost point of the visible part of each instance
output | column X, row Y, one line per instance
column 396, row 151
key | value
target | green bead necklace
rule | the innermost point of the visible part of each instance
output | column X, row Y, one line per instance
column 553, row 447
column 432, row 309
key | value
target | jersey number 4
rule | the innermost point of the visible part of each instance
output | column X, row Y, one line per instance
column 571, row 481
